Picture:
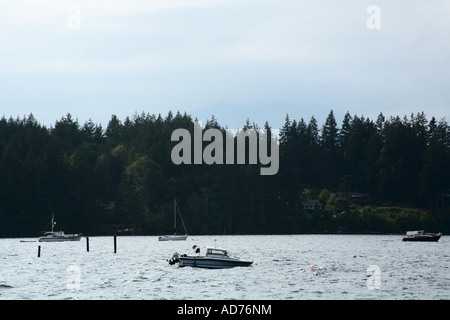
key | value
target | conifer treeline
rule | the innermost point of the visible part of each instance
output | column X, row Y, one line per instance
column 102, row 181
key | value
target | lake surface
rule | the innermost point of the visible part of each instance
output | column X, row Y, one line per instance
column 297, row 267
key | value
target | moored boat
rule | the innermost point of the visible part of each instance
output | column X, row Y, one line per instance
column 175, row 236
column 421, row 235
column 58, row 236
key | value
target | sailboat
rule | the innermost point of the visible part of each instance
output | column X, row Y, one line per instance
column 57, row 236
column 175, row 236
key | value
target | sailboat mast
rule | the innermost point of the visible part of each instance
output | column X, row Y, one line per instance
column 181, row 217
column 175, row 216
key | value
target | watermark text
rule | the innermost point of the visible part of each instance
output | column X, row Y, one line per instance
column 187, row 152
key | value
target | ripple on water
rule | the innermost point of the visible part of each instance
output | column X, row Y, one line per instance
column 282, row 269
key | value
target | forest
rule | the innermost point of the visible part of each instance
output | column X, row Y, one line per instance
column 362, row 176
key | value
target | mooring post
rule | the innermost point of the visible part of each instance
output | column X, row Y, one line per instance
column 115, row 243
column 87, row 244
column 39, row 251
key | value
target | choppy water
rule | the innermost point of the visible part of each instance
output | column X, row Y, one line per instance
column 285, row 267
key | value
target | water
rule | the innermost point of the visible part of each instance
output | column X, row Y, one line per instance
column 298, row 267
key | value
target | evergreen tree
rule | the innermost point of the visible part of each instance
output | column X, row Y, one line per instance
column 329, row 144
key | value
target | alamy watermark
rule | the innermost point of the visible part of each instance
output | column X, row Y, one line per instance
column 373, row 22
column 258, row 143
column 73, row 21
column 73, row 277
column 374, row 279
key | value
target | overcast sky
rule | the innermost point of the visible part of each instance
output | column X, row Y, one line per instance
column 236, row 59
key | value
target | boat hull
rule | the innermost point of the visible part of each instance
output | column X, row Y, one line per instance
column 59, row 239
column 422, row 239
column 173, row 238
column 212, row 263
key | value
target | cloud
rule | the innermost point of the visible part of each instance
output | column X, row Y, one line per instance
column 193, row 53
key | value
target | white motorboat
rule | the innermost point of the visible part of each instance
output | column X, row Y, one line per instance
column 214, row 259
column 57, row 236
column 175, row 236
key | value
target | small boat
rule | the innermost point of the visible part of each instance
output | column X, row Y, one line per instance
column 420, row 235
column 175, row 236
column 214, row 259
column 58, row 236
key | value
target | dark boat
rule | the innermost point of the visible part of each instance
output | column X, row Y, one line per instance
column 420, row 235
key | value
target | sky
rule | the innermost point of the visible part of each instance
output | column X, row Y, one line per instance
column 234, row 59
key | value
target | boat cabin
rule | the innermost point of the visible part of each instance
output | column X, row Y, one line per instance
column 216, row 252
column 415, row 233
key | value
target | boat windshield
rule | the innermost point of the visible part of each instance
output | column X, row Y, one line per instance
column 414, row 233
column 219, row 252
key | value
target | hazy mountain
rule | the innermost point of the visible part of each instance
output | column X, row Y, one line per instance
column 234, row 115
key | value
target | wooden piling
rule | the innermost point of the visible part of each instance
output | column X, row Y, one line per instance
column 87, row 244
column 115, row 243
column 39, row 251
